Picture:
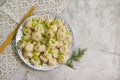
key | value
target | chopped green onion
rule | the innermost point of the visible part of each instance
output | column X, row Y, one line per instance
column 53, row 22
column 35, row 57
column 42, row 63
column 48, row 26
column 26, row 31
column 60, row 56
column 20, row 41
column 67, row 32
column 34, row 24
column 52, row 41
column 34, row 19
column 38, row 22
column 44, row 25
column 49, row 50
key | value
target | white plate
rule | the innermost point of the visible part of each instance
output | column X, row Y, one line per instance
column 19, row 35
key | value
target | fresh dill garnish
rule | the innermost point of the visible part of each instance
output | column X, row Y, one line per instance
column 76, row 56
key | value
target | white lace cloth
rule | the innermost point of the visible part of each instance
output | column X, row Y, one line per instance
column 10, row 13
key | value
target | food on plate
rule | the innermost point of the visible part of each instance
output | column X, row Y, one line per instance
column 45, row 41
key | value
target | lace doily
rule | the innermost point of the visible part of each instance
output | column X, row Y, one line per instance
column 17, row 8
column 9, row 59
column 10, row 13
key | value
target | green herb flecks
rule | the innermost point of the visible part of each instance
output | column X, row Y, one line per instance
column 49, row 50
column 52, row 41
column 67, row 32
column 35, row 22
column 44, row 25
column 20, row 42
column 35, row 57
column 53, row 22
column 48, row 26
column 42, row 63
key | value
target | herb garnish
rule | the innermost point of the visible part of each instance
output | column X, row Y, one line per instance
column 75, row 57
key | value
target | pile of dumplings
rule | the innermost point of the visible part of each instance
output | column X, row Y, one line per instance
column 45, row 41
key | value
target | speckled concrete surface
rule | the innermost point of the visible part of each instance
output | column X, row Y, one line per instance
column 95, row 24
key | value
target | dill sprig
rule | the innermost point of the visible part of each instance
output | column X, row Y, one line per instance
column 75, row 57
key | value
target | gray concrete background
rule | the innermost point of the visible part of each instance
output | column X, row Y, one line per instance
column 95, row 24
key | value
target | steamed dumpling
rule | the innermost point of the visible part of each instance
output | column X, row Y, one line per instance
column 28, row 55
column 29, row 47
column 62, row 58
column 59, row 44
column 40, row 48
column 48, row 55
column 53, row 28
column 50, row 34
column 59, row 22
column 43, row 58
column 35, row 62
column 64, row 49
column 52, row 61
column 48, row 21
column 27, row 37
column 67, row 39
column 26, row 31
column 60, row 36
column 36, row 36
column 39, row 28
column 21, row 44
column 55, row 53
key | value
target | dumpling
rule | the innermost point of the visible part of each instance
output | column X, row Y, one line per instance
column 50, row 34
column 52, row 62
column 40, row 48
column 29, row 47
column 28, row 24
column 53, row 28
column 62, row 29
column 55, row 53
column 36, row 36
column 67, row 39
column 60, row 36
column 43, row 58
column 59, row 22
column 26, row 31
column 59, row 44
column 21, row 44
column 28, row 55
column 35, row 62
column 62, row 58
column 39, row 28
column 27, row 37
column 48, row 55
column 41, row 20
column 64, row 49
column 48, row 21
